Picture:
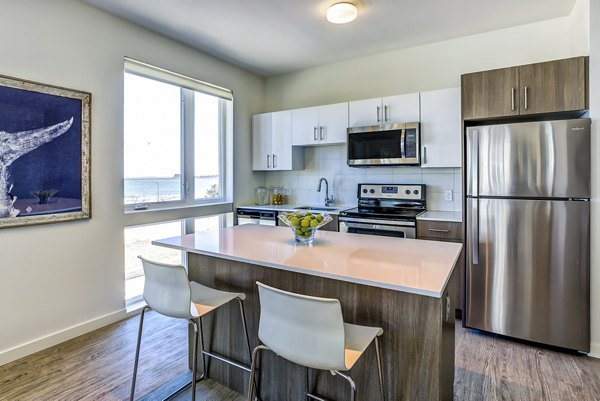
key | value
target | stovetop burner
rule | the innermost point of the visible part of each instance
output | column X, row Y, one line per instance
column 382, row 213
column 388, row 201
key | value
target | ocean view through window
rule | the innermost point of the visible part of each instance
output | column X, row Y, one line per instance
column 173, row 140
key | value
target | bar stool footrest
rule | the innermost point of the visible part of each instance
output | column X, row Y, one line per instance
column 226, row 360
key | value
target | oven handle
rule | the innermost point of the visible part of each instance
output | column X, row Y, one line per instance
column 378, row 222
column 380, row 227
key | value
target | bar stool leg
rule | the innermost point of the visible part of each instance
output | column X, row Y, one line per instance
column 137, row 352
column 204, row 368
column 245, row 328
column 195, row 358
column 253, row 370
column 350, row 381
column 380, row 369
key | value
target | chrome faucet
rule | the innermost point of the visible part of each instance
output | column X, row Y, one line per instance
column 328, row 200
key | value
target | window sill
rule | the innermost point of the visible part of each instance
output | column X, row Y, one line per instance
column 167, row 206
column 148, row 216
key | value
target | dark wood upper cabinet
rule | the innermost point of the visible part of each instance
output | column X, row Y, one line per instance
column 490, row 94
column 554, row 86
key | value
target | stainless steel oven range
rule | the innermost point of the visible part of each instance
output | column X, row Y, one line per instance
column 385, row 209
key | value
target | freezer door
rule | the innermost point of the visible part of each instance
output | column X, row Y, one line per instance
column 549, row 159
column 528, row 270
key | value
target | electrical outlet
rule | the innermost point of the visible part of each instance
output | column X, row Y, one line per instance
column 448, row 196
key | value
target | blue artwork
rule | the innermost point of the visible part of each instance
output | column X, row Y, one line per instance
column 44, row 153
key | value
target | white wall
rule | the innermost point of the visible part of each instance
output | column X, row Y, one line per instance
column 595, row 114
column 433, row 66
column 60, row 276
column 579, row 22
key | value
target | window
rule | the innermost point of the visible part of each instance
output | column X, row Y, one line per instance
column 138, row 241
column 174, row 135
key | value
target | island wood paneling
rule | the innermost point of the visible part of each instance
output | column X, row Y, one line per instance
column 417, row 346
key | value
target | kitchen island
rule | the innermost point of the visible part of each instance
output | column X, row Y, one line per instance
column 404, row 286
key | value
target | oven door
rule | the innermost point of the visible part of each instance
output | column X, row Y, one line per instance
column 387, row 228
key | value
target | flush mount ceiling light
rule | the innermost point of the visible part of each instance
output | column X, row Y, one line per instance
column 342, row 13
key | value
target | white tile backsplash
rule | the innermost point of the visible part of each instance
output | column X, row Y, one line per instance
column 439, row 182
column 330, row 162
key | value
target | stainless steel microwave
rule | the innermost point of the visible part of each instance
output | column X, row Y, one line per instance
column 378, row 145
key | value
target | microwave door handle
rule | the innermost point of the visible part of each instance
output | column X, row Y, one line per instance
column 403, row 144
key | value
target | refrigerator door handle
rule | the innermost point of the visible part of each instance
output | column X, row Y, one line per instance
column 475, row 232
column 475, row 163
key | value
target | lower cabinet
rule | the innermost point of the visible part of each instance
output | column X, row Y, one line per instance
column 447, row 231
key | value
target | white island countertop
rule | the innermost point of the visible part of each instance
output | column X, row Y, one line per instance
column 408, row 265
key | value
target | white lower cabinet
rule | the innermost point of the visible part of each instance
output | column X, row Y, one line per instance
column 321, row 125
column 272, row 148
column 441, row 128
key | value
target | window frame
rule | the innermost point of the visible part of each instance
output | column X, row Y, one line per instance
column 188, row 86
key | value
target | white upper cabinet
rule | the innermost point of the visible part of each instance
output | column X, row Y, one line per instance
column 441, row 128
column 387, row 110
column 321, row 125
column 272, row 143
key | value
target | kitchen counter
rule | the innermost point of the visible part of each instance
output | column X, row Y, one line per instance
column 434, row 215
column 405, row 286
column 288, row 208
column 408, row 265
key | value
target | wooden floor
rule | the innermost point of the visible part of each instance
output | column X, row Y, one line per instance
column 98, row 366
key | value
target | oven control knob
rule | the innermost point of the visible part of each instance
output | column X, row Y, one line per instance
column 372, row 191
column 407, row 192
column 365, row 191
column 416, row 192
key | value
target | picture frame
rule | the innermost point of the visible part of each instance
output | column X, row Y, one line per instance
column 45, row 148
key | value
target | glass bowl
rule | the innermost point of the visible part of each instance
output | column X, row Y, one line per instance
column 304, row 223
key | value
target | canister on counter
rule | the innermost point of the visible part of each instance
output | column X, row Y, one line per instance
column 278, row 197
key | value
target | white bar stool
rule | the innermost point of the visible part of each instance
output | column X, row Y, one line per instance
column 311, row 332
column 168, row 291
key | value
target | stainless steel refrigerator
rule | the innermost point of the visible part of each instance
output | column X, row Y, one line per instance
column 528, row 229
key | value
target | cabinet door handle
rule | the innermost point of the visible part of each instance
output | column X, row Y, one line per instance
column 315, row 133
column 268, row 161
column 385, row 113
column 438, row 230
column 526, row 93
column 378, row 113
column 424, row 154
column 274, row 160
column 321, row 133
column 512, row 99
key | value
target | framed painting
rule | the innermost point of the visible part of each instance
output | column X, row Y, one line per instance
column 44, row 153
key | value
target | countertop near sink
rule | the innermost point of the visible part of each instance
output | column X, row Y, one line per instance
column 434, row 215
column 287, row 208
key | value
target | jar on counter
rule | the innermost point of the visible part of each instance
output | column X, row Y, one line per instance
column 278, row 197
column 262, row 196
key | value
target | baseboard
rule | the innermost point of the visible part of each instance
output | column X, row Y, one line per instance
column 31, row 347
column 594, row 350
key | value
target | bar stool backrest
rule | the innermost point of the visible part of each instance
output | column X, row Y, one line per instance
column 305, row 330
column 167, row 289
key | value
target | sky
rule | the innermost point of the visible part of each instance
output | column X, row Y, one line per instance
column 152, row 126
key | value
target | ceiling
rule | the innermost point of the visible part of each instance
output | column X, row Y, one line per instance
column 270, row 37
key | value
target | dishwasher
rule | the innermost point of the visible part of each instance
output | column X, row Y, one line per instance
column 256, row 216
